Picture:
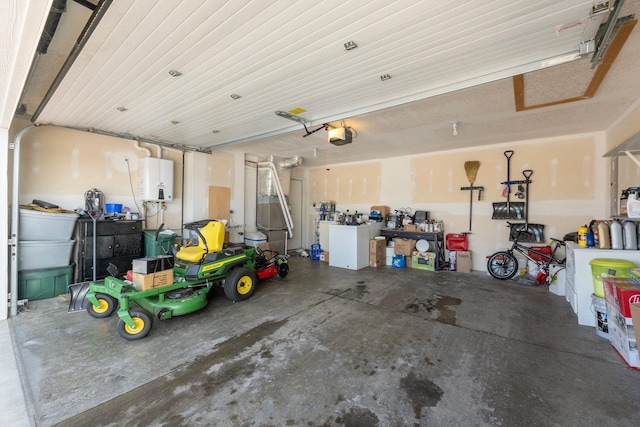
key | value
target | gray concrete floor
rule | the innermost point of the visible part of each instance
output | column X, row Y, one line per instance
column 333, row 347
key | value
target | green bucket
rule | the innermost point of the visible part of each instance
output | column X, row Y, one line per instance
column 603, row 268
column 160, row 247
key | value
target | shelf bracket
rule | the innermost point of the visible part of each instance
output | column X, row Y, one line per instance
column 632, row 157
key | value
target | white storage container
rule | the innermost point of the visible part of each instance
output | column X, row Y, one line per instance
column 254, row 238
column 34, row 255
column 37, row 225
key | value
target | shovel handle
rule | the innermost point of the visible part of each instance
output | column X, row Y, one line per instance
column 527, row 173
column 508, row 154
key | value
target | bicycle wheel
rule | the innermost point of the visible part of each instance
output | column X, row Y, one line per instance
column 502, row 265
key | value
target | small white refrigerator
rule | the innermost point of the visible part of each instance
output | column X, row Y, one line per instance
column 350, row 245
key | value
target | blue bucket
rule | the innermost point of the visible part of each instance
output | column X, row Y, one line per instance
column 113, row 208
column 315, row 251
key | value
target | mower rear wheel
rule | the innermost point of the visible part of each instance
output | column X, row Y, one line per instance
column 107, row 305
column 240, row 284
column 283, row 270
column 143, row 322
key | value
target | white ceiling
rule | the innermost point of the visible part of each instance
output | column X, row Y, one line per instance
column 448, row 61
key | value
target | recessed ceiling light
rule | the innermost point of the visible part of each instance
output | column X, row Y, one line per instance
column 215, row 131
column 174, row 122
column 350, row 45
column 122, row 109
column 235, row 96
column 175, row 73
column 385, row 77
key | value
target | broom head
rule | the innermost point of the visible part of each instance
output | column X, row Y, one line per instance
column 471, row 168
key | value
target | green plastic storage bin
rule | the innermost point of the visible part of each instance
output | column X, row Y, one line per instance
column 602, row 268
column 153, row 248
column 44, row 283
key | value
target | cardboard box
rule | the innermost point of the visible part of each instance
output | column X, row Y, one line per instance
column 377, row 252
column 266, row 247
column 384, row 211
column 144, row 282
column 424, row 261
column 403, row 246
column 324, row 256
column 620, row 292
column 622, row 336
column 463, row 261
column 635, row 316
column 410, row 227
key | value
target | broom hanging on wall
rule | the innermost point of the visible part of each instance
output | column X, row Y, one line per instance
column 471, row 169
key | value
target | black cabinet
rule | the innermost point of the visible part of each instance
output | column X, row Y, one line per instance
column 117, row 242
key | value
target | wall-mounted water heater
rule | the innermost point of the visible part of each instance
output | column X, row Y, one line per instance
column 155, row 179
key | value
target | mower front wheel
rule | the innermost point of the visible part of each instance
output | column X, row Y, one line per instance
column 106, row 306
column 240, row 284
column 143, row 322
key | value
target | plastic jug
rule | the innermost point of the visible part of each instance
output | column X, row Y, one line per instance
column 591, row 240
column 633, row 204
column 604, row 242
column 616, row 235
column 582, row 235
column 630, row 235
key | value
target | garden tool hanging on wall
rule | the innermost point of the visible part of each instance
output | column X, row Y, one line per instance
column 508, row 210
column 471, row 169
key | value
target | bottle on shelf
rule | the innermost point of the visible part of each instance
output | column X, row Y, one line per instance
column 604, row 241
column 615, row 230
column 591, row 239
column 630, row 235
column 582, row 235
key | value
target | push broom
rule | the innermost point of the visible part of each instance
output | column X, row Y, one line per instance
column 471, row 168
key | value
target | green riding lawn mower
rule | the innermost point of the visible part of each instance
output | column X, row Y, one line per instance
column 182, row 288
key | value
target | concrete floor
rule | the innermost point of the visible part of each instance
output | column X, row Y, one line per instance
column 333, row 347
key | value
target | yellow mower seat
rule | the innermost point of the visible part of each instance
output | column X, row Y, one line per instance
column 213, row 234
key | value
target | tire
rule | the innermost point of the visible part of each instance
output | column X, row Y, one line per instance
column 108, row 305
column 502, row 265
column 240, row 284
column 283, row 270
column 143, row 321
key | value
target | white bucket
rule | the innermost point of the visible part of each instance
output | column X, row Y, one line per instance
column 599, row 308
column 254, row 238
column 522, row 266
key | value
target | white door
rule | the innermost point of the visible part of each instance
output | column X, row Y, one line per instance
column 295, row 203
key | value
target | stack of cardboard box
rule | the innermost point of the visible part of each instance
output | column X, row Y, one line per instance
column 622, row 297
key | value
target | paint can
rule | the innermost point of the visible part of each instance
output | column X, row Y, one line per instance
column 452, row 260
column 599, row 308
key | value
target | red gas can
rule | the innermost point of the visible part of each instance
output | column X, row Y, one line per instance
column 456, row 242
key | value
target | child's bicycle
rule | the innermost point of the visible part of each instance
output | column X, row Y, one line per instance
column 504, row 265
